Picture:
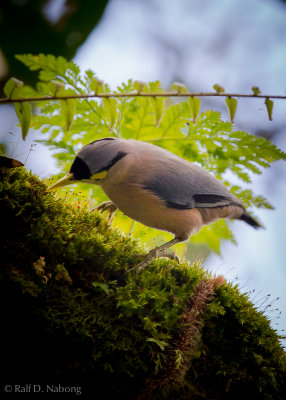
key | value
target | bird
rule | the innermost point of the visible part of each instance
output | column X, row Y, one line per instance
column 155, row 187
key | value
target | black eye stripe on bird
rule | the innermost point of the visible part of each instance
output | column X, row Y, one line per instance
column 80, row 169
column 112, row 162
column 155, row 187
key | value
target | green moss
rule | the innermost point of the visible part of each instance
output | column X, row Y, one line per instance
column 72, row 313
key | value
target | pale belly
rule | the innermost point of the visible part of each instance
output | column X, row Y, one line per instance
column 137, row 205
column 146, row 208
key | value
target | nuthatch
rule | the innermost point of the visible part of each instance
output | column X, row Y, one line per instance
column 155, row 187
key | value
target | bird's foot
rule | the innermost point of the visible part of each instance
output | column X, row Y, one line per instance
column 106, row 206
column 155, row 253
column 169, row 254
column 146, row 261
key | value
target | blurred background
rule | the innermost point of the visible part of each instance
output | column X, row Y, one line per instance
column 236, row 43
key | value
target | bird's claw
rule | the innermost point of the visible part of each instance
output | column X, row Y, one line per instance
column 155, row 253
column 170, row 254
column 106, row 206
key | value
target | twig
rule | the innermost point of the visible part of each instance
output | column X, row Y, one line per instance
column 7, row 100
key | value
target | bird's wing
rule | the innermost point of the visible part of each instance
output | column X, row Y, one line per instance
column 183, row 185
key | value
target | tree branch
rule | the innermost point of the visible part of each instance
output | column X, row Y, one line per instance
column 7, row 100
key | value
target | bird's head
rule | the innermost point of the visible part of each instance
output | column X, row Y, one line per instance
column 92, row 162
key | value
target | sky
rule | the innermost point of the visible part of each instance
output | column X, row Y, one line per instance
column 236, row 43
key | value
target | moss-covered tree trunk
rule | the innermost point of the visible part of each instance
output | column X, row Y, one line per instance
column 72, row 314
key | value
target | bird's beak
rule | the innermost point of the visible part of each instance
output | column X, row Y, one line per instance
column 66, row 180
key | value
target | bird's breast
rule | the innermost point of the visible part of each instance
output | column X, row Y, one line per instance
column 134, row 201
column 146, row 208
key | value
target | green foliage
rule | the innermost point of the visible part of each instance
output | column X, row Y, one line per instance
column 195, row 104
column 24, row 113
column 11, row 86
column 71, row 311
column 232, row 106
column 269, row 105
column 218, row 88
column 13, row 89
column 205, row 139
column 256, row 90
column 232, row 309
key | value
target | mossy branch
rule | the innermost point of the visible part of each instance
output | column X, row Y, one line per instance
column 185, row 345
column 71, row 313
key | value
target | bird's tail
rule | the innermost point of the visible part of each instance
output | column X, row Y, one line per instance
column 250, row 221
